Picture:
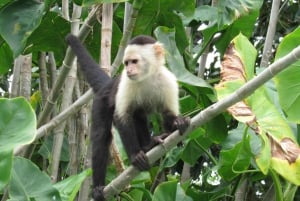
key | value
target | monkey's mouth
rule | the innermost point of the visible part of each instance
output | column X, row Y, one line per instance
column 132, row 76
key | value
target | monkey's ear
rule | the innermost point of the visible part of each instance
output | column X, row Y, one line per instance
column 159, row 50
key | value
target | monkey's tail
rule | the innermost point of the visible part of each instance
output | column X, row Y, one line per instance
column 95, row 76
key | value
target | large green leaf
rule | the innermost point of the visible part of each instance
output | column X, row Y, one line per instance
column 17, row 127
column 50, row 36
column 69, row 187
column 5, row 167
column 236, row 160
column 279, row 148
column 17, row 123
column 156, row 13
column 29, row 183
column 245, row 25
column 287, row 82
column 175, row 60
column 229, row 10
column 170, row 191
column 18, row 20
column 4, row 2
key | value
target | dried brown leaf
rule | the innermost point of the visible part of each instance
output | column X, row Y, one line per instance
column 233, row 69
column 286, row 149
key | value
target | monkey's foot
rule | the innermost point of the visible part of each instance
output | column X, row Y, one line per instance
column 97, row 193
column 140, row 161
column 182, row 123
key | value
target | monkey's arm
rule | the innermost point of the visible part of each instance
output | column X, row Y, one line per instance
column 173, row 122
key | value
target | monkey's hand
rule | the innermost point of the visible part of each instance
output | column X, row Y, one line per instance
column 155, row 140
column 140, row 161
column 97, row 193
column 182, row 123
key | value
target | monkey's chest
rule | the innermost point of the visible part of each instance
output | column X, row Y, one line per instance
column 150, row 98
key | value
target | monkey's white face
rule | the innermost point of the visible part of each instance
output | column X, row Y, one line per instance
column 136, row 62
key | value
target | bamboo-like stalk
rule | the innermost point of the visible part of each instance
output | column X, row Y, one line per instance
column 267, row 51
column 74, row 122
column 52, row 69
column 15, row 86
column 43, row 76
column 203, row 117
column 25, row 76
column 66, row 101
column 106, row 36
column 136, row 6
column 67, row 63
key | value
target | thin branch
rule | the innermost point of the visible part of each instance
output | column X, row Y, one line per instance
column 63, row 116
column 267, row 52
column 203, row 117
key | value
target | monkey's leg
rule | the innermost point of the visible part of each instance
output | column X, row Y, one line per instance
column 129, row 137
column 101, row 137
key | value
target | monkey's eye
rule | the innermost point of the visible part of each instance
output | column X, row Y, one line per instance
column 134, row 61
column 126, row 63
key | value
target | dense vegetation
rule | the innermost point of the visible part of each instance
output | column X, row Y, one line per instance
column 243, row 142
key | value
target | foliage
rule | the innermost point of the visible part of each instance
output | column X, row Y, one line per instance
column 17, row 127
column 255, row 142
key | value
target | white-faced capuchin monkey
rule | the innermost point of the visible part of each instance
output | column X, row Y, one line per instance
column 145, row 86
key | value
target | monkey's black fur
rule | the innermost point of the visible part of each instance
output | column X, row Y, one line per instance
column 133, row 131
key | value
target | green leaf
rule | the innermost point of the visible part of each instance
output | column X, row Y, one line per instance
column 275, row 136
column 46, row 149
column 157, row 13
column 229, row 10
column 17, row 123
column 29, row 183
column 195, row 146
column 236, row 160
column 18, row 20
column 5, row 52
column 244, row 25
column 5, row 168
column 170, row 191
column 4, row 2
column 50, row 36
column 287, row 82
column 69, row 187
column 175, row 60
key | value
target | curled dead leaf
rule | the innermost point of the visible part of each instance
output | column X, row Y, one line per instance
column 232, row 67
column 286, row 149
